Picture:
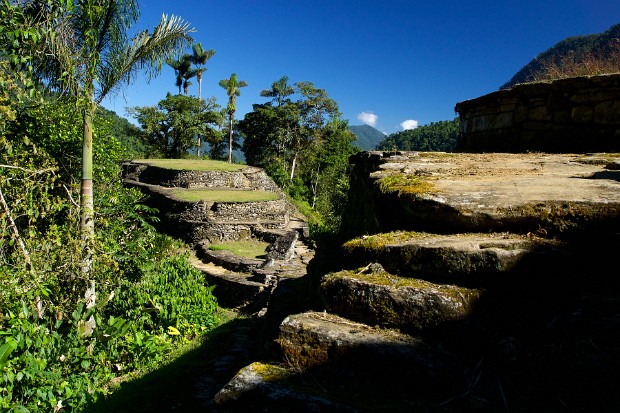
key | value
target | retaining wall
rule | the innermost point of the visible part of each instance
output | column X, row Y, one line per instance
column 576, row 115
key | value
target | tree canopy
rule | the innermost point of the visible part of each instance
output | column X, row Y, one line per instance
column 300, row 140
column 169, row 129
column 436, row 136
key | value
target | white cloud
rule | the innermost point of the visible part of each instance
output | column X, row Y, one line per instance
column 368, row 118
column 409, row 124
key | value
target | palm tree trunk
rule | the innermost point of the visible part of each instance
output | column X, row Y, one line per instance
column 230, row 140
column 87, row 218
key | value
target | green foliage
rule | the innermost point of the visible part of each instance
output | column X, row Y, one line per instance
column 303, row 146
column 434, row 137
column 172, row 127
column 170, row 293
column 244, row 248
column 127, row 133
column 57, row 354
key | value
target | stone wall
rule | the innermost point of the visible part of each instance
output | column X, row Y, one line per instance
column 248, row 178
column 576, row 115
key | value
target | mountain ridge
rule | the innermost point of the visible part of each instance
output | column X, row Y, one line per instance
column 367, row 137
column 600, row 43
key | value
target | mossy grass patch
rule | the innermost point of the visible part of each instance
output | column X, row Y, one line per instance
column 193, row 164
column 223, row 195
column 378, row 241
column 405, row 184
column 246, row 248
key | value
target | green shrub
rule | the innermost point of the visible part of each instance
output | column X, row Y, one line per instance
column 170, row 294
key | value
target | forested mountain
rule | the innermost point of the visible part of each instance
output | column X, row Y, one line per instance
column 367, row 137
column 126, row 132
column 602, row 46
column 436, row 136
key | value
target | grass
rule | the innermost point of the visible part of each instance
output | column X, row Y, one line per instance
column 193, row 164
column 405, row 184
column 306, row 211
column 247, row 249
column 223, row 195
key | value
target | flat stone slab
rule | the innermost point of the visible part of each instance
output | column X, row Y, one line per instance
column 464, row 192
column 314, row 339
column 373, row 296
column 458, row 258
column 266, row 387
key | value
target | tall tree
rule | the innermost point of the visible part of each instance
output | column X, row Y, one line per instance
column 169, row 129
column 180, row 66
column 190, row 74
column 280, row 91
column 232, row 86
column 89, row 56
column 199, row 57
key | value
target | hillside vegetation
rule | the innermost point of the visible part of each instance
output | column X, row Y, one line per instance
column 366, row 137
column 436, row 136
column 574, row 56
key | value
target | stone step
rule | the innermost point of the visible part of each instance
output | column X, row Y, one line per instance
column 564, row 195
column 373, row 296
column 227, row 259
column 270, row 387
column 314, row 339
column 247, row 178
column 464, row 259
column 334, row 364
column 234, row 289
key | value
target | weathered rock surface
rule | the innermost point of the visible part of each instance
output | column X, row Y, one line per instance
column 259, row 385
column 462, row 259
column 458, row 192
column 313, row 339
column 373, row 296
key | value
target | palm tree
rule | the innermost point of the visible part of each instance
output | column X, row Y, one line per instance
column 180, row 66
column 200, row 57
column 280, row 91
column 232, row 86
column 191, row 73
column 91, row 42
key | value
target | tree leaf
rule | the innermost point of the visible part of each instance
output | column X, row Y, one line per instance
column 5, row 351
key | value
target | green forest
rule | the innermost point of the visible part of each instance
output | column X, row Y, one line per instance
column 436, row 136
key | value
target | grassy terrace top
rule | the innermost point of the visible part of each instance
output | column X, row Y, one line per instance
column 223, row 195
column 193, row 164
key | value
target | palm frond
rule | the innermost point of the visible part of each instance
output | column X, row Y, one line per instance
column 146, row 52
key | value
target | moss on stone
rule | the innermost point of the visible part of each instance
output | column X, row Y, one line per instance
column 269, row 372
column 378, row 241
column 405, row 184
column 562, row 217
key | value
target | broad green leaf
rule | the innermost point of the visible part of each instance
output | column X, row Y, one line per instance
column 5, row 351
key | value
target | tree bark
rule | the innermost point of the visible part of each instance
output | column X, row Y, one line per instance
column 87, row 211
column 230, row 140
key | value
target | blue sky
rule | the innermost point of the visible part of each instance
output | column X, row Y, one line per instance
column 384, row 62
